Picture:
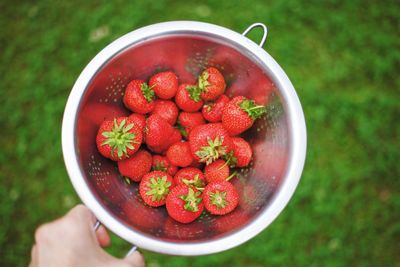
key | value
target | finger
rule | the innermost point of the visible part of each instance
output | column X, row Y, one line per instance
column 33, row 257
column 82, row 220
column 135, row 259
column 82, row 212
column 81, row 215
column 103, row 237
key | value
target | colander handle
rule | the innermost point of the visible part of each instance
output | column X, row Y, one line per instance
column 133, row 249
column 255, row 25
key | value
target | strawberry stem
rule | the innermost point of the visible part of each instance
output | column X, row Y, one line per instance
column 230, row 159
column 223, row 165
column 231, row 176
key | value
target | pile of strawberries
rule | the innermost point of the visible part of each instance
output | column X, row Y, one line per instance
column 181, row 150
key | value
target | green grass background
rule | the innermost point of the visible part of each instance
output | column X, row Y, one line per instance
column 343, row 59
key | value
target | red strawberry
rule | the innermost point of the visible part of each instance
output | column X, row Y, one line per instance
column 211, row 83
column 190, row 177
column 216, row 171
column 209, row 142
column 166, row 109
column 118, row 139
column 241, row 154
column 184, row 204
column 158, row 131
column 161, row 163
column 220, row 197
column 188, row 98
column 136, row 166
column 154, row 188
column 139, row 97
column 161, row 149
column 179, row 154
column 239, row 115
column 189, row 120
column 139, row 119
column 212, row 112
column 164, row 84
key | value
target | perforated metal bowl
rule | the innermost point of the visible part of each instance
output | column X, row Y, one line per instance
column 186, row 47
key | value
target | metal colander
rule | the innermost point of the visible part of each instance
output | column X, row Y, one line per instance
column 187, row 48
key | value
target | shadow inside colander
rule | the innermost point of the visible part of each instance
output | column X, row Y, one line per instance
column 187, row 56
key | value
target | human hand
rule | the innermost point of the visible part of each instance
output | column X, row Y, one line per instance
column 72, row 241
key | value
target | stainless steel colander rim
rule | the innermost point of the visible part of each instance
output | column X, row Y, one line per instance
column 297, row 136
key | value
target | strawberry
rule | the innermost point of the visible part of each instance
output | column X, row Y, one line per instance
column 158, row 131
column 155, row 187
column 179, row 154
column 139, row 119
column 190, row 177
column 209, row 142
column 162, row 149
column 188, row 120
column 241, row 154
column 161, row 163
column 166, row 109
column 239, row 114
column 188, row 98
column 211, row 84
column 118, row 139
column 216, row 171
column 139, row 97
column 164, row 84
column 184, row 204
column 136, row 166
column 212, row 111
column 220, row 197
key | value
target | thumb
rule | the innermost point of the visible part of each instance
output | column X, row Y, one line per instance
column 135, row 259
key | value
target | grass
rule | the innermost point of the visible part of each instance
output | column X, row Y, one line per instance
column 343, row 59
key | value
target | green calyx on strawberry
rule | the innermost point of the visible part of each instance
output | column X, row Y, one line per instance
column 254, row 111
column 196, row 182
column 230, row 159
column 192, row 200
column 148, row 92
column 160, row 166
column 213, row 151
column 218, row 199
column 181, row 129
column 120, row 138
column 203, row 81
column 194, row 92
column 159, row 188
